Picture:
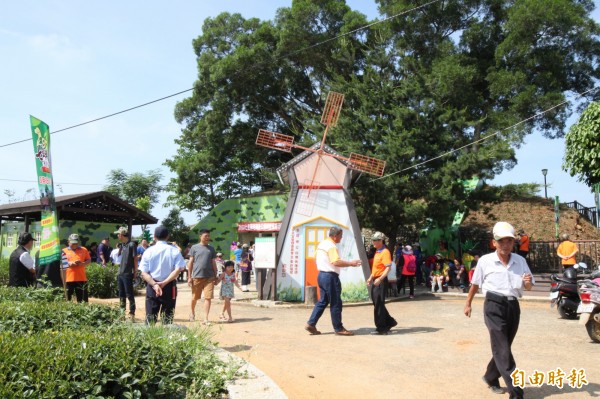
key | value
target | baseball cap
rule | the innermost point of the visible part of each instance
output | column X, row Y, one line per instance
column 161, row 232
column 503, row 230
column 122, row 230
column 378, row 236
column 25, row 238
column 74, row 239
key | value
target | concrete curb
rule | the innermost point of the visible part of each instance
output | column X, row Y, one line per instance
column 254, row 384
column 418, row 293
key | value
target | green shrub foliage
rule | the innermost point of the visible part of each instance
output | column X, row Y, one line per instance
column 31, row 294
column 4, row 271
column 122, row 362
column 102, row 281
column 28, row 316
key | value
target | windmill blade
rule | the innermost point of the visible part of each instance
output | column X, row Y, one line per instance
column 366, row 164
column 333, row 106
column 276, row 141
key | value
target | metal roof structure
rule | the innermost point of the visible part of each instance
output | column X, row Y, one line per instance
column 100, row 207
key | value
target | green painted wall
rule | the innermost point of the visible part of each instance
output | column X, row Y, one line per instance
column 222, row 221
column 88, row 232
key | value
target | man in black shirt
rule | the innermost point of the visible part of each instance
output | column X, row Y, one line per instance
column 127, row 270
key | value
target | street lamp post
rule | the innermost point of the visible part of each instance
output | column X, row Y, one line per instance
column 545, row 172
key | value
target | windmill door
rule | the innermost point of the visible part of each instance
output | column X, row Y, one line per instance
column 313, row 236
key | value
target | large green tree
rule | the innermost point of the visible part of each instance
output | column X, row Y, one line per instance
column 417, row 86
column 582, row 152
column 139, row 189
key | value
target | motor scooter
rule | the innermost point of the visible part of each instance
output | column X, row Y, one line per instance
column 563, row 291
column 589, row 308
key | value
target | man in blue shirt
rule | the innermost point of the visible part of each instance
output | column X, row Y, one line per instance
column 160, row 266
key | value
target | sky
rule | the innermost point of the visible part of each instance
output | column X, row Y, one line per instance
column 67, row 62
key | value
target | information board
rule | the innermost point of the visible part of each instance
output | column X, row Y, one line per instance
column 264, row 253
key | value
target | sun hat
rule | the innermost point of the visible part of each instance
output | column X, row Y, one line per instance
column 503, row 230
column 122, row 231
column 378, row 236
column 407, row 250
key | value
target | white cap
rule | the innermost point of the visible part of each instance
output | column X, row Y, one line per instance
column 503, row 230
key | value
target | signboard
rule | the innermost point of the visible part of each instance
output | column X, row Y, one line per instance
column 264, row 253
column 50, row 244
column 244, row 227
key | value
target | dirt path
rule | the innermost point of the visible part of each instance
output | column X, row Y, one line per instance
column 435, row 352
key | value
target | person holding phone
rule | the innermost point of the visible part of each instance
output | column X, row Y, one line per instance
column 78, row 258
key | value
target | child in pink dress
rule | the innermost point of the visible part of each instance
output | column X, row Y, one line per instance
column 228, row 280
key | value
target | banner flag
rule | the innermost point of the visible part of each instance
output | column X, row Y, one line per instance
column 50, row 244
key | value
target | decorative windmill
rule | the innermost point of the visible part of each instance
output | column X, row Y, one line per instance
column 331, row 114
column 320, row 179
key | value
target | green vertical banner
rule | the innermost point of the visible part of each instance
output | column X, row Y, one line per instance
column 50, row 244
column 556, row 213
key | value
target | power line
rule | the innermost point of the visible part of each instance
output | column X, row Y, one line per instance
column 57, row 183
column 104, row 117
column 486, row 137
column 258, row 64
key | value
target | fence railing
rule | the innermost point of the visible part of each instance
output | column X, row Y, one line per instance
column 590, row 213
column 542, row 256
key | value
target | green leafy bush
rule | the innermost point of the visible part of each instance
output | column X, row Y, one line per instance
column 355, row 292
column 122, row 362
column 19, row 294
column 102, row 281
column 28, row 316
column 4, row 271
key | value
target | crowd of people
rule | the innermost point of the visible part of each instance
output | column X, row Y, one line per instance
column 160, row 264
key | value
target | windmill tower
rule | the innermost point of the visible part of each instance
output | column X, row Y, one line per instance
column 320, row 180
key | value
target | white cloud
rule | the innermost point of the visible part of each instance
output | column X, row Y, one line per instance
column 58, row 47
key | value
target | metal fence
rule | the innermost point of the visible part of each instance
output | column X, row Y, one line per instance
column 590, row 213
column 542, row 256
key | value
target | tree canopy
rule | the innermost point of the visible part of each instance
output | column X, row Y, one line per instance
column 137, row 188
column 582, row 152
column 418, row 85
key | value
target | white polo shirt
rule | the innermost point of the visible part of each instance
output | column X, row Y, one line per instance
column 492, row 275
column 327, row 253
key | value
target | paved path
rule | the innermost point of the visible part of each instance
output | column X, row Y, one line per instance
column 435, row 352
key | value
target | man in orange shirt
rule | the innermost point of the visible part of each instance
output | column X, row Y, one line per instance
column 78, row 258
column 523, row 243
column 382, row 263
column 567, row 251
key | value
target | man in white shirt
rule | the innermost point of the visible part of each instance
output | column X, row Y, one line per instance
column 502, row 276
column 160, row 266
column 330, row 286
column 21, row 264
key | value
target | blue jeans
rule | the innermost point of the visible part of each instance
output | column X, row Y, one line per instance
column 330, row 288
column 125, row 284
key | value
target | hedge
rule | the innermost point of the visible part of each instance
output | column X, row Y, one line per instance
column 123, row 362
column 26, row 317
column 102, row 281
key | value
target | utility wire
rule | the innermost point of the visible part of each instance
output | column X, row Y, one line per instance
column 57, row 183
column 104, row 117
column 258, row 64
column 486, row 137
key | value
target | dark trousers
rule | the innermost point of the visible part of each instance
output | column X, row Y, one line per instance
column 246, row 277
column 383, row 321
column 411, row 283
column 330, row 288
column 165, row 304
column 125, row 284
column 80, row 290
column 502, row 320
